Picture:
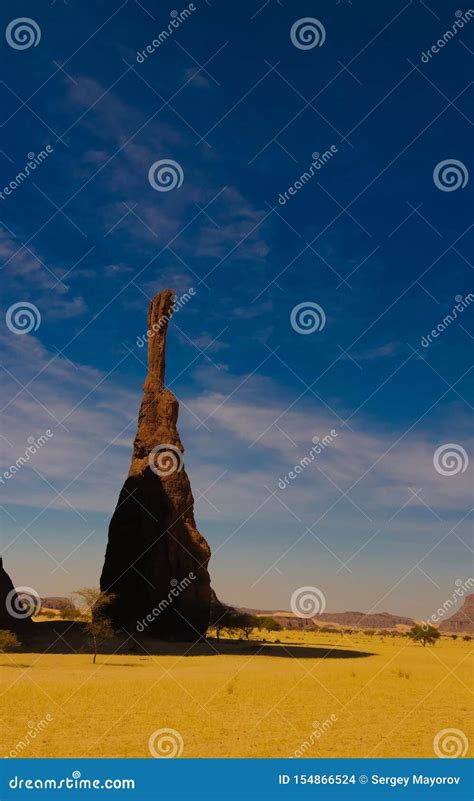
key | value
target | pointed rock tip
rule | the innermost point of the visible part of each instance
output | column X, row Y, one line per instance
column 159, row 315
column 164, row 294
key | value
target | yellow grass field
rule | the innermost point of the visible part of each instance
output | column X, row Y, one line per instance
column 241, row 704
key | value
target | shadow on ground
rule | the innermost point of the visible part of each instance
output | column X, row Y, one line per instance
column 67, row 637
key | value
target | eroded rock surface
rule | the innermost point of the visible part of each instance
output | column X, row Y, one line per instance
column 12, row 617
column 156, row 559
column 463, row 619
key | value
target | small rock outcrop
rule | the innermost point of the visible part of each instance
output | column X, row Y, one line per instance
column 156, row 561
column 463, row 619
column 12, row 617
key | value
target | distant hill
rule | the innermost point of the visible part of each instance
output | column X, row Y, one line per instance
column 53, row 602
column 379, row 620
column 462, row 620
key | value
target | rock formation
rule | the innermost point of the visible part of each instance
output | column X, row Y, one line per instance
column 361, row 620
column 12, row 616
column 463, row 620
column 156, row 561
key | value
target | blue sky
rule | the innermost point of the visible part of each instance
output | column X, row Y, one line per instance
column 370, row 238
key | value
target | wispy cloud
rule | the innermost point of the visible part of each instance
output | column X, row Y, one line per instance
column 142, row 215
column 27, row 275
column 371, row 354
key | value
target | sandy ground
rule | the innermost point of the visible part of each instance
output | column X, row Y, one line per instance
column 298, row 698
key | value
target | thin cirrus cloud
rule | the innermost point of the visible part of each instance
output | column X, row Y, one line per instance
column 157, row 218
column 250, row 434
column 27, row 273
column 382, row 464
column 89, row 428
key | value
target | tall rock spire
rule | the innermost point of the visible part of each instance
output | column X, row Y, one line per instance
column 156, row 560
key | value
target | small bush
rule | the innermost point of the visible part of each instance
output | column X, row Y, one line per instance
column 8, row 641
column 402, row 674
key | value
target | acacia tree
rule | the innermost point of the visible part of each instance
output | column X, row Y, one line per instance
column 245, row 622
column 424, row 634
column 98, row 626
column 268, row 623
column 222, row 617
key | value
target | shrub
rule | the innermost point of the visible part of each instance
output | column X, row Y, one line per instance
column 8, row 641
column 402, row 674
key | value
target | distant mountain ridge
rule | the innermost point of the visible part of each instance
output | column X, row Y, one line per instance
column 379, row 620
column 53, row 602
column 461, row 621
